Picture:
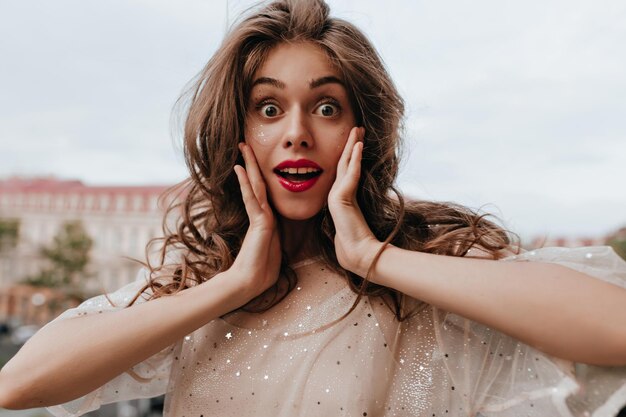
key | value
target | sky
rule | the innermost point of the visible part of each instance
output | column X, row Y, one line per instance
column 513, row 108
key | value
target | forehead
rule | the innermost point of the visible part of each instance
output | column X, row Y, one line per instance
column 297, row 63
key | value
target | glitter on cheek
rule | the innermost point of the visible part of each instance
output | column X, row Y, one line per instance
column 259, row 135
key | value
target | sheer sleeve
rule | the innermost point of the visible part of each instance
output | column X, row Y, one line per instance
column 144, row 380
column 496, row 375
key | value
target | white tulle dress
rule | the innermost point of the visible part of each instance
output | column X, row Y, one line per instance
column 435, row 364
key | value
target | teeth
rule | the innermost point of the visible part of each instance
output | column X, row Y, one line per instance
column 299, row 170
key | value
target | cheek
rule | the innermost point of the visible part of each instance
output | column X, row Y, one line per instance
column 257, row 134
column 262, row 134
column 337, row 139
column 342, row 137
column 333, row 136
column 261, row 153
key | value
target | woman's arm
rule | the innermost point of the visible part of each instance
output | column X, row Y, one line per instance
column 560, row 311
column 70, row 358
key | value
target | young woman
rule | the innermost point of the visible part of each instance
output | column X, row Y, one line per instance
column 301, row 286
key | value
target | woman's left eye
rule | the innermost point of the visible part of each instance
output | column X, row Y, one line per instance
column 328, row 109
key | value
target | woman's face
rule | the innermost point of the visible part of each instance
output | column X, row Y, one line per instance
column 298, row 121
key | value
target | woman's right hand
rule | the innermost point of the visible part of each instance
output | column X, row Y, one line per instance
column 257, row 265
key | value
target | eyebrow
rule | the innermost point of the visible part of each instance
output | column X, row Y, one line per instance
column 325, row 80
column 270, row 81
column 318, row 82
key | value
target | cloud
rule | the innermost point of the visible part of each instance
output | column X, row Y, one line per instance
column 519, row 105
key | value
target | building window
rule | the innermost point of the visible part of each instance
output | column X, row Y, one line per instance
column 88, row 202
column 74, row 199
column 120, row 203
column 138, row 203
column 104, row 202
column 58, row 201
column 154, row 203
column 45, row 201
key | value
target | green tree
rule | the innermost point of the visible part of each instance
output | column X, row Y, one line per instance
column 67, row 258
column 9, row 232
column 617, row 241
column 619, row 245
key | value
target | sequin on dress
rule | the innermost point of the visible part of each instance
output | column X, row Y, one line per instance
column 283, row 362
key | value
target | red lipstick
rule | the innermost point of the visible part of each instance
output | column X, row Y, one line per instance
column 289, row 171
column 300, row 163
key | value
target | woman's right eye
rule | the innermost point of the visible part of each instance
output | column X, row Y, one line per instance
column 269, row 110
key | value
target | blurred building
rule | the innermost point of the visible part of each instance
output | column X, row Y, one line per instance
column 119, row 219
column 616, row 239
column 567, row 242
column 32, row 305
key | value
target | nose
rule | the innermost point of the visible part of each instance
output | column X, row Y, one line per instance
column 298, row 132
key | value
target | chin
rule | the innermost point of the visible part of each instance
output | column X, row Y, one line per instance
column 298, row 213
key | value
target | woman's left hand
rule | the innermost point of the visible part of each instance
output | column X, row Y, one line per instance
column 355, row 244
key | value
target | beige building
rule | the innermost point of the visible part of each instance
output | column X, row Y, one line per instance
column 119, row 219
column 568, row 242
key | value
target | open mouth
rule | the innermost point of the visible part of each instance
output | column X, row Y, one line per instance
column 298, row 175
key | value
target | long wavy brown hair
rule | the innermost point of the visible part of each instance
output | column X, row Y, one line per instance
column 207, row 215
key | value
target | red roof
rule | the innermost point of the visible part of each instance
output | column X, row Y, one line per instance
column 55, row 185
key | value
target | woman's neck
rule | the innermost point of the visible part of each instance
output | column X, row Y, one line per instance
column 297, row 238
